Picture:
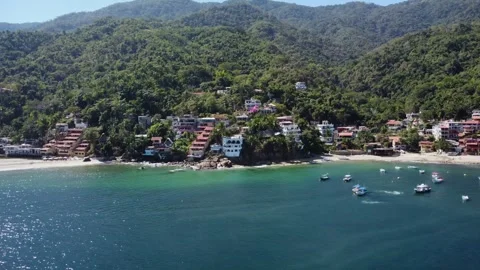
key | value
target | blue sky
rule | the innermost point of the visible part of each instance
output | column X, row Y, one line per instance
column 17, row 11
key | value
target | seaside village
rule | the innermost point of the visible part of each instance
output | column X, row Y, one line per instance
column 67, row 140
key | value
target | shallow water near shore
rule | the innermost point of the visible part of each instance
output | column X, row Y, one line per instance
column 118, row 217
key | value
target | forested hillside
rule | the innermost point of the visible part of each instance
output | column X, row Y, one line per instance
column 354, row 28
column 113, row 69
column 436, row 71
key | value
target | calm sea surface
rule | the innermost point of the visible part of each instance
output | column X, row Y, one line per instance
column 272, row 218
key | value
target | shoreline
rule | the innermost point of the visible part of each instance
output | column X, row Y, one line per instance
column 16, row 164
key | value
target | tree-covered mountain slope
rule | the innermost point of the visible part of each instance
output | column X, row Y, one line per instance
column 436, row 71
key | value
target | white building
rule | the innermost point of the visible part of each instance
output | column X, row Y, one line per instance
column 79, row 123
column 301, row 86
column 24, row 150
column 327, row 132
column 184, row 123
column 251, row 103
column 291, row 129
column 232, row 146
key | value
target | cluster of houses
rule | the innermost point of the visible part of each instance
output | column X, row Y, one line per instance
column 203, row 127
column 68, row 142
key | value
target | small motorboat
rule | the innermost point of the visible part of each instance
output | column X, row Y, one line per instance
column 465, row 198
column 324, row 177
column 437, row 180
column 347, row 178
column 412, row 167
column 435, row 174
column 177, row 170
column 397, row 167
column 359, row 190
column 421, row 171
column 383, row 171
column 422, row 188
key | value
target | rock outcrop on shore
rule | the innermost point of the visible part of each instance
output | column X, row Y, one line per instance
column 213, row 163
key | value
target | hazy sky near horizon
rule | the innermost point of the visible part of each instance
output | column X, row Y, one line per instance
column 19, row 11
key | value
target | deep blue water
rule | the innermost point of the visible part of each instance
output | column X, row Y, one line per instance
column 276, row 218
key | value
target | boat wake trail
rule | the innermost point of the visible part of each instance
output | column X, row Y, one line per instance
column 394, row 192
column 371, row 202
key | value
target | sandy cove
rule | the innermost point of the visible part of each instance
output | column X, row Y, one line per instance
column 15, row 164
column 433, row 158
column 7, row 164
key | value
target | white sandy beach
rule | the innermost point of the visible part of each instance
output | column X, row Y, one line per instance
column 9, row 164
column 14, row 164
column 413, row 158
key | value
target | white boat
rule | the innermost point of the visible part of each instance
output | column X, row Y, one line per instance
column 435, row 174
column 177, row 170
column 347, row 178
column 397, row 167
column 421, row 171
column 465, row 198
column 437, row 179
column 383, row 171
column 422, row 188
column 412, row 167
column 324, row 177
column 359, row 190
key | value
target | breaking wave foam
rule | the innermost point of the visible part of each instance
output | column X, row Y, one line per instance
column 394, row 192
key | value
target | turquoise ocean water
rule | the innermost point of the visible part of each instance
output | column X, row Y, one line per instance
column 117, row 217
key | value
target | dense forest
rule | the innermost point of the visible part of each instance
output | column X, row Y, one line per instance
column 355, row 28
column 115, row 69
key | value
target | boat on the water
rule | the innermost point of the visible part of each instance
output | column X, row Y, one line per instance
column 347, row 178
column 324, row 177
column 465, row 198
column 383, row 171
column 421, row 171
column 359, row 190
column 422, row 188
column 435, row 174
column 437, row 179
column 397, row 167
column 177, row 170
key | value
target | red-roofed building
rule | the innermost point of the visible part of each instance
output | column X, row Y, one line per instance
column 394, row 125
column 470, row 146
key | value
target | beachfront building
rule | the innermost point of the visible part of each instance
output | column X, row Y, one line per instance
column 200, row 145
column 470, row 146
column 252, row 104
column 345, row 133
column 232, row 146
column 291, row 129
column 426, row 146
column 300, row 86
column 451, row 130
column 159, row 148
column 23, row 150
column 327, row 131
